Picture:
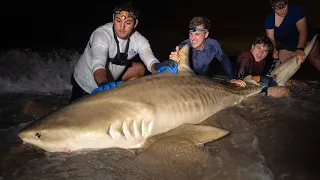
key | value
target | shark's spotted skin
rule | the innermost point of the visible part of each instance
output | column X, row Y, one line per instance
column 139, row 109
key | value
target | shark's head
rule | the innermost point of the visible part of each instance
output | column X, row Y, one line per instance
column 47, row 140
column 51, row 137
column 58, row 132
column 75, row 127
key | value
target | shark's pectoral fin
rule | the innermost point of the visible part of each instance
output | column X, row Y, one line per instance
column 197, row 134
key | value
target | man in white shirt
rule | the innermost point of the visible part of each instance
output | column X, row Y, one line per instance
column 106, row 60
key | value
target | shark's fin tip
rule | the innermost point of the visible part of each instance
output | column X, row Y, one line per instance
column 184, row 64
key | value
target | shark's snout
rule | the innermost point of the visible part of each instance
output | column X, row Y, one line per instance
column 24, row 135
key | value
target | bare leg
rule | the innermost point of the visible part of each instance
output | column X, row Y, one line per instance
column 314, row 56
column 278, row 91
column 135, row 71
column 283, row 56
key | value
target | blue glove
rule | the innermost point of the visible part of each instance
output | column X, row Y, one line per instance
column 106, row 85
column 268, row 81
column 170, row 65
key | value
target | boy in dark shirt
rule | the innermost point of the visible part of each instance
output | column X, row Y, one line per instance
column 253, row 63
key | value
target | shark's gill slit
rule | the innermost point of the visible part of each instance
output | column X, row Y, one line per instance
column 112, row 132
column 125, row 130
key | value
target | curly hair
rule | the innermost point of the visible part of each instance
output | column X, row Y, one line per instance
column 199, row 20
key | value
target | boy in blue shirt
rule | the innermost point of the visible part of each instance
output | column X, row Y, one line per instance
column 204, row 50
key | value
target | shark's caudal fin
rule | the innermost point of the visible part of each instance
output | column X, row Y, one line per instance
column 289, row 67
column 184, row 64
column 310, row 45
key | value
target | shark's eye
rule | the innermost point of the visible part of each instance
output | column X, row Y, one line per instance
column 38, row 135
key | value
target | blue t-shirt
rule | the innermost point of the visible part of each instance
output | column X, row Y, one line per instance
column 287, row 33
column 202, row 58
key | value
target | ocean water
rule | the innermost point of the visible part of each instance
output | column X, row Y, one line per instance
column 271, row 138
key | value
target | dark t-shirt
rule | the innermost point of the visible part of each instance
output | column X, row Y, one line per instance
column 287, row 33
column 246, row 65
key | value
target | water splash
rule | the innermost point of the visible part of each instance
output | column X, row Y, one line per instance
column 36, row 72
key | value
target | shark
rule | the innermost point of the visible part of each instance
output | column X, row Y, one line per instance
column 290, row 66
column 137, row 110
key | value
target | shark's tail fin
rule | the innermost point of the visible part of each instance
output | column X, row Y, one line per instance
column 310, row 45
column 289, row 67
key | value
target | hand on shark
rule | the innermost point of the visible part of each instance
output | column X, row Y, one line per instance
column 238, row 82
column 289, row 67
column 170, row 65
column 300, row 55
column 106, row 86
column 175, row 55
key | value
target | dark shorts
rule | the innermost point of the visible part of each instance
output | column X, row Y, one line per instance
column 293, row 45
column 78, row 92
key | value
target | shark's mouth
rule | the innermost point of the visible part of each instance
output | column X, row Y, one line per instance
column 31, row 147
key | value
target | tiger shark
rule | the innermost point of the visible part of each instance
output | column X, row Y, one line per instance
column 289, row 67
column 137, row 110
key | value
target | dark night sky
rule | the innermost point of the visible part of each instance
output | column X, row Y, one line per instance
column 164, row 23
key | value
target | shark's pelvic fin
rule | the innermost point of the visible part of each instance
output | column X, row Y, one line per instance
column 197, row 134
column 200, row 134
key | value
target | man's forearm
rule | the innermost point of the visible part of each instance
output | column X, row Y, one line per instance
column 227, row 66
column 100, row 75
column 274, row 43
column 153, row 69
column 302, row 39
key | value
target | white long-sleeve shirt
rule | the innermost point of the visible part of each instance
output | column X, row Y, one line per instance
column 102, row 46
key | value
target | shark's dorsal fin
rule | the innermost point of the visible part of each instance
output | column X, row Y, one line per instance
column 184, row 64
